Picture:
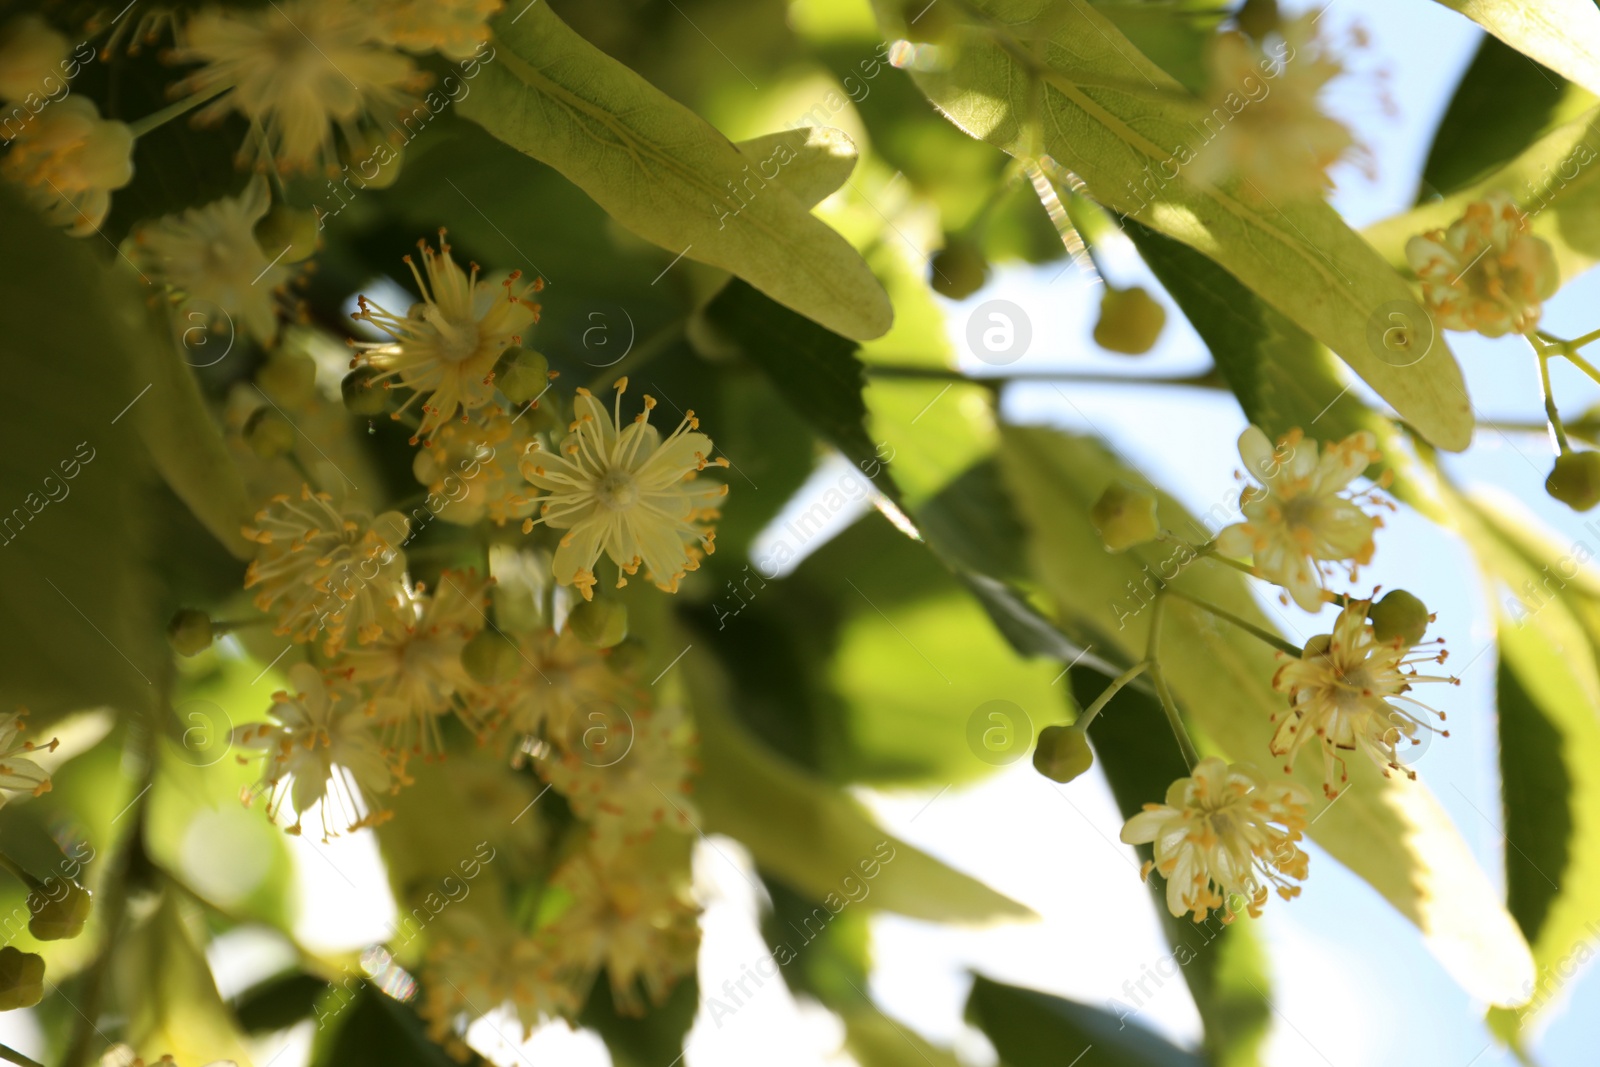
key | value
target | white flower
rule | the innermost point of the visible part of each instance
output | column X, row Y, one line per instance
column 481, row 963
column 1348, row 692
column 628, row 495
column 626, row 775
column 412, row 671
column 209, row 254
column 632, row 914
column 1302, row 516
column 1486, row 272
column 18, row 771
column 446, row 347
column 454, row 28
column 470, row 469
column 68, row 160
column 299, row 68
column 322, row 567
column 1225, row 833
column 1273, row 136
column 322, row 741
column 562, row 688
column 30, row 52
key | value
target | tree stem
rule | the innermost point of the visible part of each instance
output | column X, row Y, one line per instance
column 1251, row 628
column 1110, row 691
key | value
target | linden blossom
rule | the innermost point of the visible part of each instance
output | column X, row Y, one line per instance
column 32, row 103
column 431, row 105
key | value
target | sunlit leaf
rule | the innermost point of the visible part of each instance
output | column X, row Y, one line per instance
column 666, row 174
column 1549, row 686
column 1035, row 79
column 1561, row 34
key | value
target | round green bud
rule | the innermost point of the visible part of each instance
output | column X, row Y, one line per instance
column 377, row 167
column 1259, row 17
column 189, row 632
column 1125, row 516
column 1399, row 615
column 599, row 623
column 958, row 269
column 1062, row 753
column 291, row 228
column 288, row 377
column 362, row 395
column 1130, row 321
column 58, row 915
column 522, row 374
column 1575, row 480
column 491, row 658
column 21, row 979
column 268, row 434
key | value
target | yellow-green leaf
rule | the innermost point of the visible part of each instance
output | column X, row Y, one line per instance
column 819, row 160
column 810, row 834
column 1036, row 78
column 665, row 173
column 1564, row 35
column 1549, row 625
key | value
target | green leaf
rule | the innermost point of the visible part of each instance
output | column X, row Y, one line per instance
column 814, row 369
column 1223, row 963
column 1390, row 831
column 1555, row 181
column 1033, row 1029
column 183, row 438
column 1549, row 675
column 810, row 834
column 1564, row 35
column 820, row 160
column 1281, row 375
column 875, row 1040
column 166, row 992
column 1503, row 103
column 73, row 519
column 666, row 174
column 1035, row 79
column 378, row 1030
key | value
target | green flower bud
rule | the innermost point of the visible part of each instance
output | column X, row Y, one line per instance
column 522, row 374
column 58, row 915
column 362, row 395
column 491, row 658
column 1125, row 516
column 1130, row 321
column 599, row 623
column 1062, row 753
column 1259, row 18
column 21, row 979
column 288, row 377
column 627, row 656
column 268, row 434
column 189, row 632
column 1399, row 614
column 958, row 269
column 377, row 167
column 1575, row 480
column 288, row 227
